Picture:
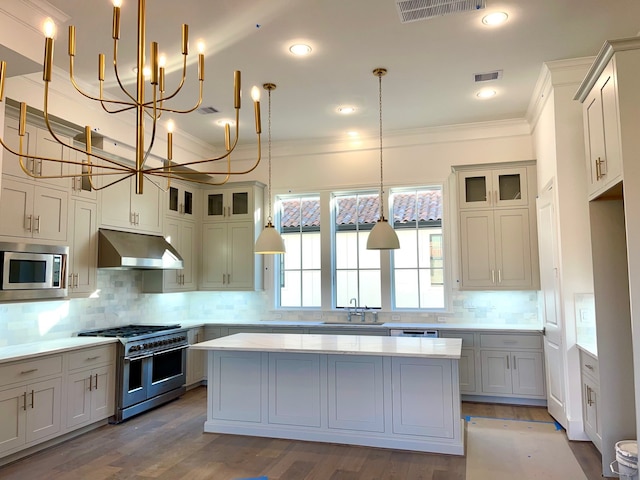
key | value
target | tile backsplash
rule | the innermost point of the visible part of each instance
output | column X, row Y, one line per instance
column 117, row 302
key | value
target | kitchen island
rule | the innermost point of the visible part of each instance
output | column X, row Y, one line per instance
column 390, row 392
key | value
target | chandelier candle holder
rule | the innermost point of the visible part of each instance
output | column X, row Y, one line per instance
column 148, row 113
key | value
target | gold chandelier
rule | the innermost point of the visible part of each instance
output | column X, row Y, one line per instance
column 147, row 112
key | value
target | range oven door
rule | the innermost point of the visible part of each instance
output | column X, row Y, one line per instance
column 135, row 374
column 167, row 371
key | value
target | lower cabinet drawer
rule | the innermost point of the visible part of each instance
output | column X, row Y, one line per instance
column 28, row 370
column 88, row 357
column 510, row 341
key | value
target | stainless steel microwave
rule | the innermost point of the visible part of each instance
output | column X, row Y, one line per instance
column 32, row 272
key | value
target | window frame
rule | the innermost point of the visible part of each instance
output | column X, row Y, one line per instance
column 327, row 261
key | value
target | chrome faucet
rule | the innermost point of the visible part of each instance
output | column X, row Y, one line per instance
column 355, row 311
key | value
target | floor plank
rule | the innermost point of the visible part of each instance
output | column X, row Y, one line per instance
column 168, row 444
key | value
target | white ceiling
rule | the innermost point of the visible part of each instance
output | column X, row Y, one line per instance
column 431, row 63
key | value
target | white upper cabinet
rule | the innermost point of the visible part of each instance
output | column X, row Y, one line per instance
column 497, row 245
column 610, row 102
column 121, row 206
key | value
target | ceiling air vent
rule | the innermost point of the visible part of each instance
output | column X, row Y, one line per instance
column 485, row 77
column 207, row 110
column 413, row 10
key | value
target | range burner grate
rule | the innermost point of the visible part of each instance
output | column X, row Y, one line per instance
column 127, row 331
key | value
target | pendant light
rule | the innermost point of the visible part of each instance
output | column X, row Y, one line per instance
column 269, row 241
column 383, row 236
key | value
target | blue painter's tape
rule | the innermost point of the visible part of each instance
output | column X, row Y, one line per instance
column 264, row 477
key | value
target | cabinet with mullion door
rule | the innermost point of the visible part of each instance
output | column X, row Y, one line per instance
column 232, row 220
column 497, row 227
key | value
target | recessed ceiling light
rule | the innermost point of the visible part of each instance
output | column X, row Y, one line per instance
column 495, row 18
column 486, row 93
column 346, row 109
column 223, row 121
column 353, row 134
column 300, row 49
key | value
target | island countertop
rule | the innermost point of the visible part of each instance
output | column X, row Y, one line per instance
column 449, row 348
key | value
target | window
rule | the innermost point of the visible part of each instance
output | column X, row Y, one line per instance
column 327, row 265
column 300, row 266
column 418, row 266
column 357, row 270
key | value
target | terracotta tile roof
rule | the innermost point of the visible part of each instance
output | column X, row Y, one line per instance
column 427, row 208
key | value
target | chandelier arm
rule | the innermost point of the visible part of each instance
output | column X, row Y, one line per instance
column 114, row 182
column 192, row 109
column 64, row 144
column 117, row 75
column 182, row 80
column 161, row 170
column 154, row 124
column 213, row 159
column 76, row 86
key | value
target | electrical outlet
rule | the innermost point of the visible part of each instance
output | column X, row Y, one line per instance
column 442, row 319
column 395, row 318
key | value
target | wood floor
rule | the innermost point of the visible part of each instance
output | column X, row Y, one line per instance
column 168, row 444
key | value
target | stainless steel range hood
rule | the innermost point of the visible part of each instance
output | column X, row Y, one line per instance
column 126, row 250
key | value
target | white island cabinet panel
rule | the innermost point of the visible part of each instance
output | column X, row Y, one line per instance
column 294, row 396
column 355, row 393
column 422, row 398
column 337, row 389
column 238, row 393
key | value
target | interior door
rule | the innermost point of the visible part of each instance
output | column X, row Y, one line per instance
column 552, row 306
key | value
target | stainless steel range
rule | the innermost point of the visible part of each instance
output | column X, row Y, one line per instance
column 151, row 366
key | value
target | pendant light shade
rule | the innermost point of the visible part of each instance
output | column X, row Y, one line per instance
column 383, row 236
column 269, row 241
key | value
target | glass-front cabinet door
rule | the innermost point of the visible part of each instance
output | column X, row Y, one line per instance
column 181, row 200
column 227, row 205
column 492, row 188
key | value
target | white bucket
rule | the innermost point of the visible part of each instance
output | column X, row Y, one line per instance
column 627, row 460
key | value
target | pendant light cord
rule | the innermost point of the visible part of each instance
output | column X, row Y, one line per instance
column 268, row 87
column 380, row 72
column 269, row 153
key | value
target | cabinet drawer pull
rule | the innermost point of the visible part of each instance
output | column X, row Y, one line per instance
column 91, row 359
column 96, row 387
column 590, row 367
column 493, row 276
column 37, row 229
column 514, row 363
column 499, row 275
column 31, row 370
column 508, row 361
column 90, row 384
column 33, row 399
column 509, row 342
column 28, row 226
column 24, row 401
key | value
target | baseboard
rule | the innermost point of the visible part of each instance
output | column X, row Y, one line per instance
column 532, row 402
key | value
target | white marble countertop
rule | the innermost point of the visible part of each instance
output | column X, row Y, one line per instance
column 337, row 344
column 316, row 323
column 589, row 347
column 23, row 351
